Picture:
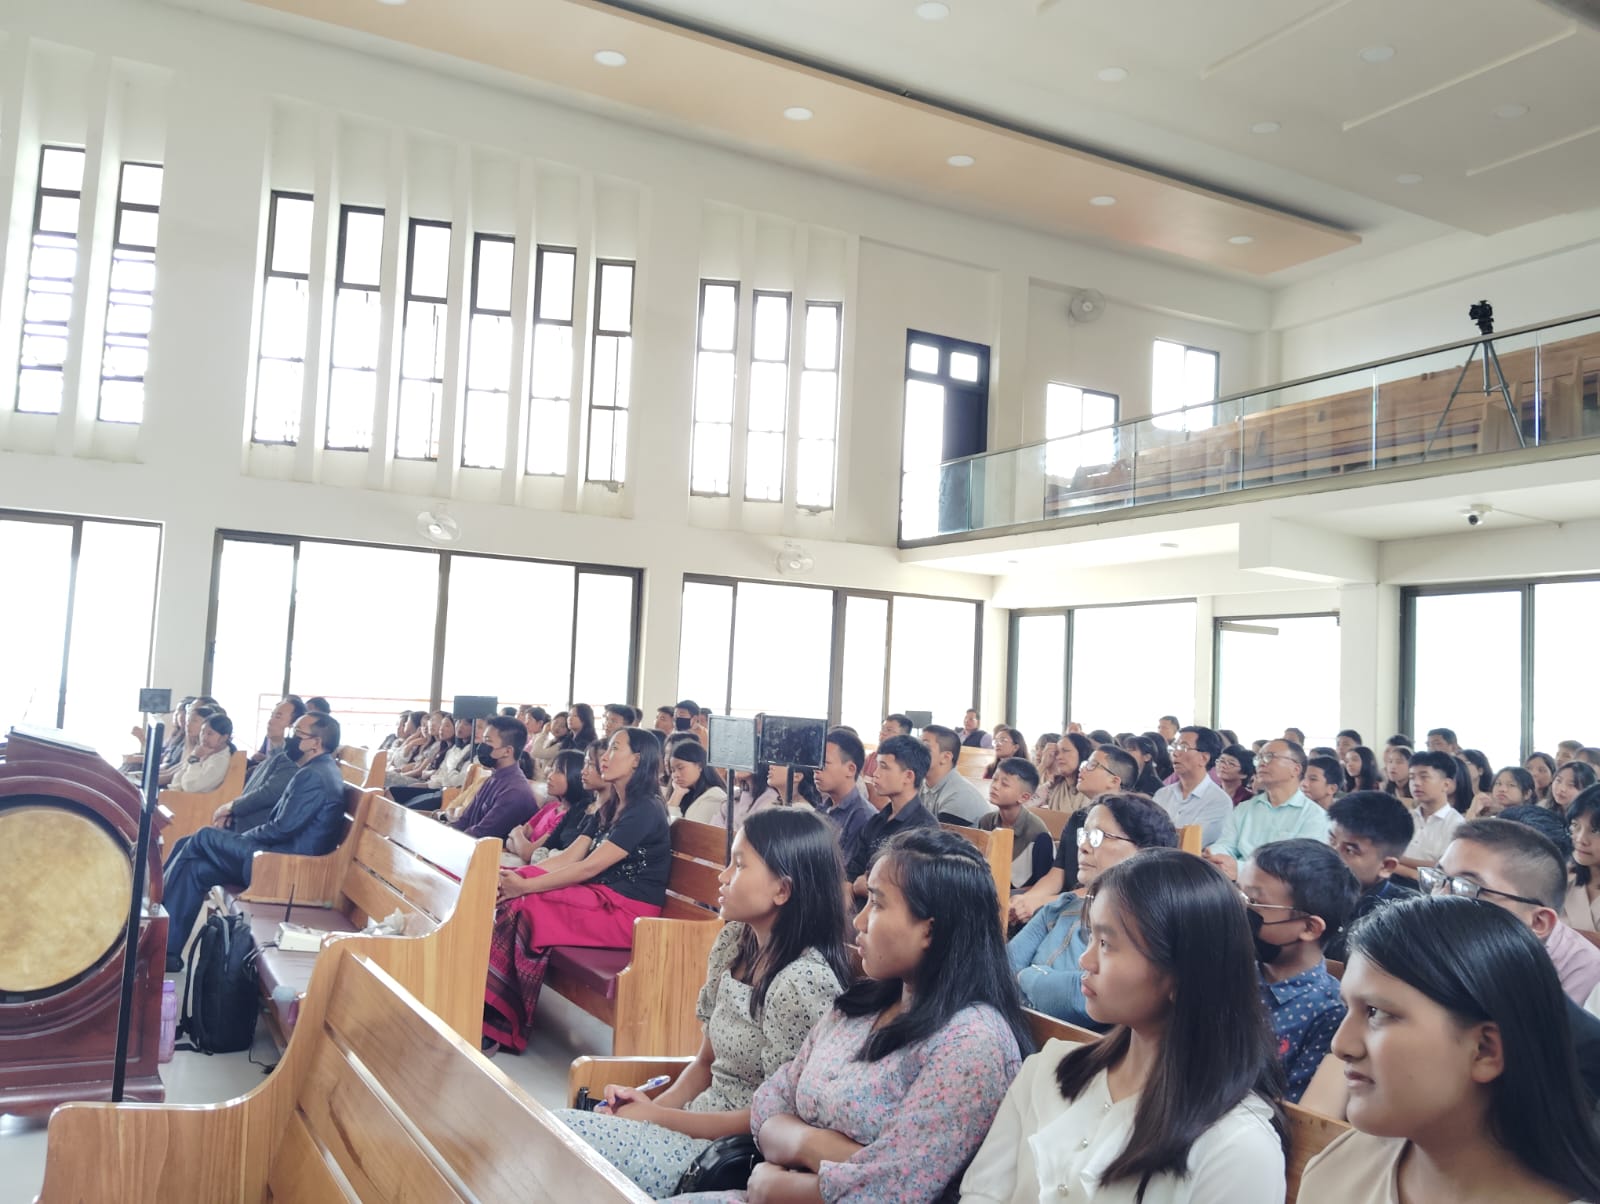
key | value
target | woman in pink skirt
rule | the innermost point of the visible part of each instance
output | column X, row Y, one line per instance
column 590, row 895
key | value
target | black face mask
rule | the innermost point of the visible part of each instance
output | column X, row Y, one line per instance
column 680, row 723
column 486, row 756
column 291, row 746
column 1266, row 952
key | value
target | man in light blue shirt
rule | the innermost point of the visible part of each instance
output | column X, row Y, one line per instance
column 1194, row 797
column 1280, row 812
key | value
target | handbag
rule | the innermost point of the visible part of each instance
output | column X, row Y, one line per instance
column 724, row 1165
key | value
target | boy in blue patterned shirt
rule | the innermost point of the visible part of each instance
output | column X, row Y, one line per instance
column 1298, row 894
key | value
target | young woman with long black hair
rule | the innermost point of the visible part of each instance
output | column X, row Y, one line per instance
column 1174, row 1104
column 775, row 970
column 1458, row 1059
column 557, row 824
column 615, row 873
column 896, row 1086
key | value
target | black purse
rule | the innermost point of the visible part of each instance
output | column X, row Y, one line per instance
column 724, row 1165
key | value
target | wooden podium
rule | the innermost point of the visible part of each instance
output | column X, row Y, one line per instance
column 69, row 828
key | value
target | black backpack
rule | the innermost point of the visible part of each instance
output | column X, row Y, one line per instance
column 221, row 996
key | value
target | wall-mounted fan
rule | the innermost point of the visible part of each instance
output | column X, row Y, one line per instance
column 1086, row 305
column 438, row 526
column 794, row 559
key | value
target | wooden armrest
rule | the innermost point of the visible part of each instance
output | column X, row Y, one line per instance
column 594, row 1072
column 657, row 991
column 316, row 880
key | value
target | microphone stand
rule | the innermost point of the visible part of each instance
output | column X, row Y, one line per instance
column 154, row 733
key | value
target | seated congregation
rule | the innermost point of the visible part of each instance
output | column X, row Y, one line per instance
column 1405, row 944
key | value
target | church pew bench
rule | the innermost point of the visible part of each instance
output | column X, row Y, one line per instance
column 391, row 859
column 186, row 812
column 647, row 994
column 375, row 1099
column 995, row 847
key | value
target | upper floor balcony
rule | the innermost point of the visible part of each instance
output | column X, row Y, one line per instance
column 1532, row 391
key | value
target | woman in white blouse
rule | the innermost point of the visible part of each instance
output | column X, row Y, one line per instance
column 1459, row 1064
column 206, row 768
column 1178, row 1104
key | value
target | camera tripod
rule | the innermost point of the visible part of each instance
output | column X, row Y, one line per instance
column 1491, row 360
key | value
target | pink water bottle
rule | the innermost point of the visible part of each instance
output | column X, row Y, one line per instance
column 169, row 1019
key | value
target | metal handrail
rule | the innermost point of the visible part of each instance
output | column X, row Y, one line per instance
column 1287, row 384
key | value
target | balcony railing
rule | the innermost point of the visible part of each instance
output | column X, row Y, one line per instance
column 1392, row 413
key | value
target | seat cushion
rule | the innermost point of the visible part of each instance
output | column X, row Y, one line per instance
column 284, row 976
column 596, row 969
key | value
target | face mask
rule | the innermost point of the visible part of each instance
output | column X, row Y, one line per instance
column 1266, row 952
column 680, row 723
column 486, row 756
column 291, row 745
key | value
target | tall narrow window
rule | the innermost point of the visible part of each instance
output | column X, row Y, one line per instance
column 133, row 283
column 769, row 398
column 713, row 388
column 819, row 407
column 416, row 435
column 550, row 387
column 357, row 329
column 1068, row 412
column 52, row 264
column 1182, row 376
column 285, row 293
column 613, row 372
column 483, row 433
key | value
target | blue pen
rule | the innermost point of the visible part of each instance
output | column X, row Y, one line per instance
column 660, row 1080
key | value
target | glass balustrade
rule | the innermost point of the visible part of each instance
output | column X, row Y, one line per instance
column 1529, row 388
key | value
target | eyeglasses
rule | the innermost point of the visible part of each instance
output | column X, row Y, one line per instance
column 1228, row 763
column 1090, row 765
column 1093, row 838
column 1294, row 912
column 1266, row 758
column 1182, row 747
column 1437, row 882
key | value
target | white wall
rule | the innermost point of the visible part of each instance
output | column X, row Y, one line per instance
column 234, row 111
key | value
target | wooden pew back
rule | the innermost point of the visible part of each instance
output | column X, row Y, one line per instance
column 376, row 1100
column 973, row 763
column 996, row 849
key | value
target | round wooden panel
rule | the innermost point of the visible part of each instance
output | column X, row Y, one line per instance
column 65, row 884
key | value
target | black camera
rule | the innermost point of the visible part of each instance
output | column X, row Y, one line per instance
column 1483, row 314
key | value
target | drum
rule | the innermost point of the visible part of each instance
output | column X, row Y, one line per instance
column 65, row 881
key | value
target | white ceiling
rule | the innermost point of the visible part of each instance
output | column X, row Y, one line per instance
column 1201, row 74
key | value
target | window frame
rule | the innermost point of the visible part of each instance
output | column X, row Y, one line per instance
column 1218, row 625
column 410, row 297
column 441, row 614
column 618, row 477
column 1185, row 424
column 475, row 311
column 782, row 432
column 118, row 245
column 836, row 654
column 732, row 352
column 40, row 194
column 339, row 287
column 271, row 273
column 76, row 522
column 541, row 252
column 837, row 372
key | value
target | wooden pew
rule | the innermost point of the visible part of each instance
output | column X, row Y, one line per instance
column 391, row 859
column 647, row 994
column 1189, row 839
column 352, row 760
column 190, row 811
column 1056, row 821
column 1309, row 1132
column 973, row 763
column 996, row 849
column 377, row 1099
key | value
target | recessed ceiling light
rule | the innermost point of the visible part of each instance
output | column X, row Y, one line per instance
column 933, row 11
column 1265, row 127
column 392, row 3
column 1102, row 201
column 1111, row 75
column 1376, row 54
column 611, row 58
column 961, row 160
column 797, row 113
column 1408, row 177
column 1241, row 240
column 1511, row 112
